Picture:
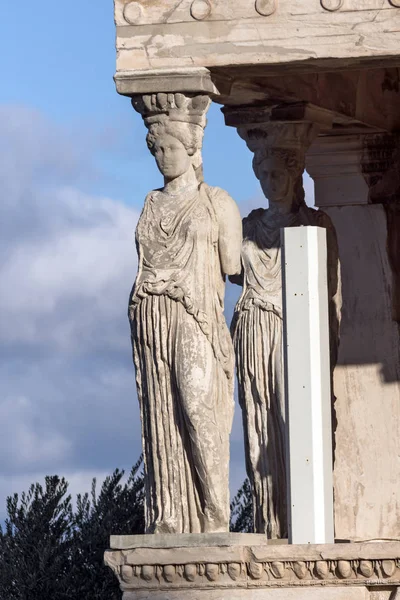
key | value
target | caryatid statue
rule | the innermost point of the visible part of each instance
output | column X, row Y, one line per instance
column 188, row 239
column 279, row 161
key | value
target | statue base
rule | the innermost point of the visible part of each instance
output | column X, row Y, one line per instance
column 229, row 566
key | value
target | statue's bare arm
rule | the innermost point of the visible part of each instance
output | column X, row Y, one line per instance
column 230, row 231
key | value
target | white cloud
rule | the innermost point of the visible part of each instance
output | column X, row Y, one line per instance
column 61, row 247
column 90, row 263
column 28, row 437
column 67, row 264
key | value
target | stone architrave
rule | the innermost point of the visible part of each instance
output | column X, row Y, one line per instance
column 279, row 160
column 188, row 239
column 357, row 183
column 164, row 34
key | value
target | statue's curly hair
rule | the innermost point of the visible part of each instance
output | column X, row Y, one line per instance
column 189, row 134
column 289, row 158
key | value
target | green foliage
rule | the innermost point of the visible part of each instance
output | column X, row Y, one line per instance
column 48, row 550
column 117, row 510
column 36, row 542
column 242, row 510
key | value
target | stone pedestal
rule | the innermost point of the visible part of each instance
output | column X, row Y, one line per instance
column 236, row 566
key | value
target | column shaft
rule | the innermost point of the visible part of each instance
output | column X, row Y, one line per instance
column 367, row 376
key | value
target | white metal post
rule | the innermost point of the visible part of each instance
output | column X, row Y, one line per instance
column 308, row 388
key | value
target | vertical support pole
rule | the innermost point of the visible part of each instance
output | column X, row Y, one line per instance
column 308, row 387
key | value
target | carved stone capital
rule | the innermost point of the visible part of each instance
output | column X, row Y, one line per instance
column 174, row 107
column 380, row 165
column 334, row 163
column 179, row 115
column 355, row 169
column 284, row 131
column 190, row 80
column 247, row 561
column 286, row 141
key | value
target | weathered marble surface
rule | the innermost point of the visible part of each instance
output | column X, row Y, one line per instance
column 188, row 239
column 145, row 12
column 279, row 159
column 190, row 540
column 166, row 33
column 254, row 570
column 367, row 382
column 349, row 172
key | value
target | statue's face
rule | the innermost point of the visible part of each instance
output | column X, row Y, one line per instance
column 276, row 180
column 171, row 156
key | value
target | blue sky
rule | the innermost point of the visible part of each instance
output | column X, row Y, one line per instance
column 74, row 170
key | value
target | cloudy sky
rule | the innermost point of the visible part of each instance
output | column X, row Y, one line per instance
column 74, row 170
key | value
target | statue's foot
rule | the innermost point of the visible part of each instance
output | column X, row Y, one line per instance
column 215, row 522
column 212, row 527
column 166, row 526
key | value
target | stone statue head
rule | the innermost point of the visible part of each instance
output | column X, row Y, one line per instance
column 176, row 124
column 176, row 147
column 279, row 171
column 279, row 158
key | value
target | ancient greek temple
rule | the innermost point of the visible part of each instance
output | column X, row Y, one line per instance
column 308, row 85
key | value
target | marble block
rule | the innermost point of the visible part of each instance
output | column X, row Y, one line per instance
column 233, row 566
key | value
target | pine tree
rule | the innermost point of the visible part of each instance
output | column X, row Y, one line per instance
column 242, row 510
column 35, row 543
column 116, row 510
column 48, row 551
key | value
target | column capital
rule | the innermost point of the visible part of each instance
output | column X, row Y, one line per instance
column 186, row 80
column 380, row 165
column 177, row 114
column 357, row 169
column 286, row 129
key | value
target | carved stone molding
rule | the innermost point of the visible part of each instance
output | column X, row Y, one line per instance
column 260, row 566
column 255, row 574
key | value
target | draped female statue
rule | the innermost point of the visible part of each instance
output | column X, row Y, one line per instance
column 257, row 324
column 188, row 239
